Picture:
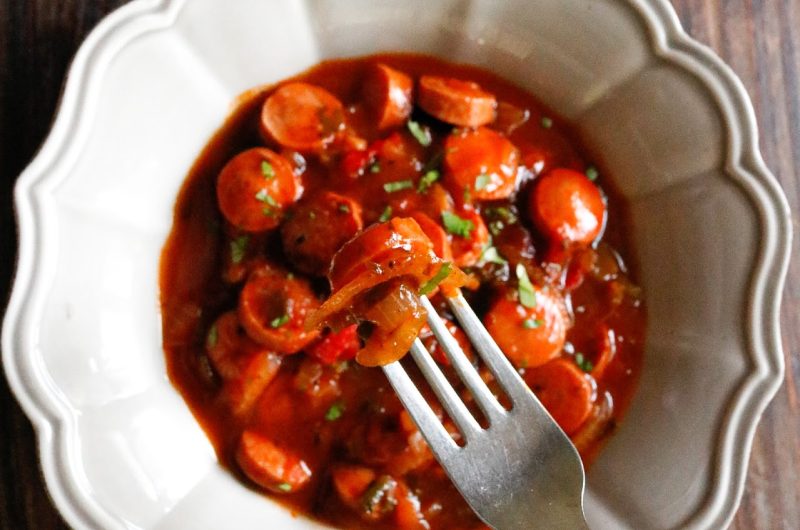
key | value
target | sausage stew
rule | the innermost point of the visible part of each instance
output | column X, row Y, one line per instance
column 308, row 229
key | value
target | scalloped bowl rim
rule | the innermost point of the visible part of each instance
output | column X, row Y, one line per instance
column 55, row 426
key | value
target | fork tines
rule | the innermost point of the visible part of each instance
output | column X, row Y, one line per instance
column 427, row 421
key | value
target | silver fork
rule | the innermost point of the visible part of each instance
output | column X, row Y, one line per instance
column 522, row 471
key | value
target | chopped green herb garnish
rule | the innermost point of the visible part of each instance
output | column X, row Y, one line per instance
column 592, row 173
column 279, row 321
column 269, row 212
column 482, row 181
column 430, row 285
column 238, row 248
column 527, row 294
column 267, row 169
column 290, row 276
column 467, row 195
column 379, row 499
column 285, row 486
column 335, row 412
column 213, row 336
column 375, row 167
column 456, row 225
column 422, row 134
column 546, row 122
column 391, row 187
column 490, row 255
column 344, row 208
column 386, row 215
column 427, row 180
column 502, row 212
column 265, row 197
column 341, row 366
column 532, row 323
column 583, row 363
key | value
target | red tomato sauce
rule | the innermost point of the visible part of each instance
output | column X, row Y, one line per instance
column 501, row 188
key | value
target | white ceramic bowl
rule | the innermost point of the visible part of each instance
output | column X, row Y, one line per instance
column 81, row 339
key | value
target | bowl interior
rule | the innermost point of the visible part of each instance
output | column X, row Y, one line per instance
column 654, row 126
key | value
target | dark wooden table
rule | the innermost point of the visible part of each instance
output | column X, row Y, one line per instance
column 760, row 39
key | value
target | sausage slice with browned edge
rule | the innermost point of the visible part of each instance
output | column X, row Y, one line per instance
column 387, row 93
column 302, row 116
column 317, row 229
column 461, row 103
column 254, row 188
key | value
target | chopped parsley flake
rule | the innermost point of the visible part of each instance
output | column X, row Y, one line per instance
column 265, row 197
column 344, row 208
column 386, row 215
column 267, row 170
column 592, row 173
column 430, row 285
column 546, row 122
column 341, row 366
column 279, row 321
column 238, row 248
column 583, row 363
column 456, row 225
column 490, row 255
column 482, row 181
column 335, row 412
column 527, row 294
column 502, row 212
column 391, row 187
column 467, row 195
column 427, row 180
column 532, row 323
column 213, row 336
column 285, row 486
column 375, row 168
column 422, row 134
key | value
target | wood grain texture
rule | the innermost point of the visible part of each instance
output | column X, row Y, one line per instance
column 760, row 39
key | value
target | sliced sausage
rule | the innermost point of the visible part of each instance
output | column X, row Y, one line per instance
column 246, row 368
column 510, row 117
column 228, row 346
column 564, row 390
column 387, row 93
column 303, row 117
column 454, row 101
column 467, row 245
column 254, row 189
column 481, row 164
column 529, row 336
column 567, row 207
column 256, row 373
column 437, row 235
column 271, row 467
column 273, row 307
column 317, row 229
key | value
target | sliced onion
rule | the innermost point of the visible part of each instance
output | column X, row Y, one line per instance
column 375, row 277
column 398, row 317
